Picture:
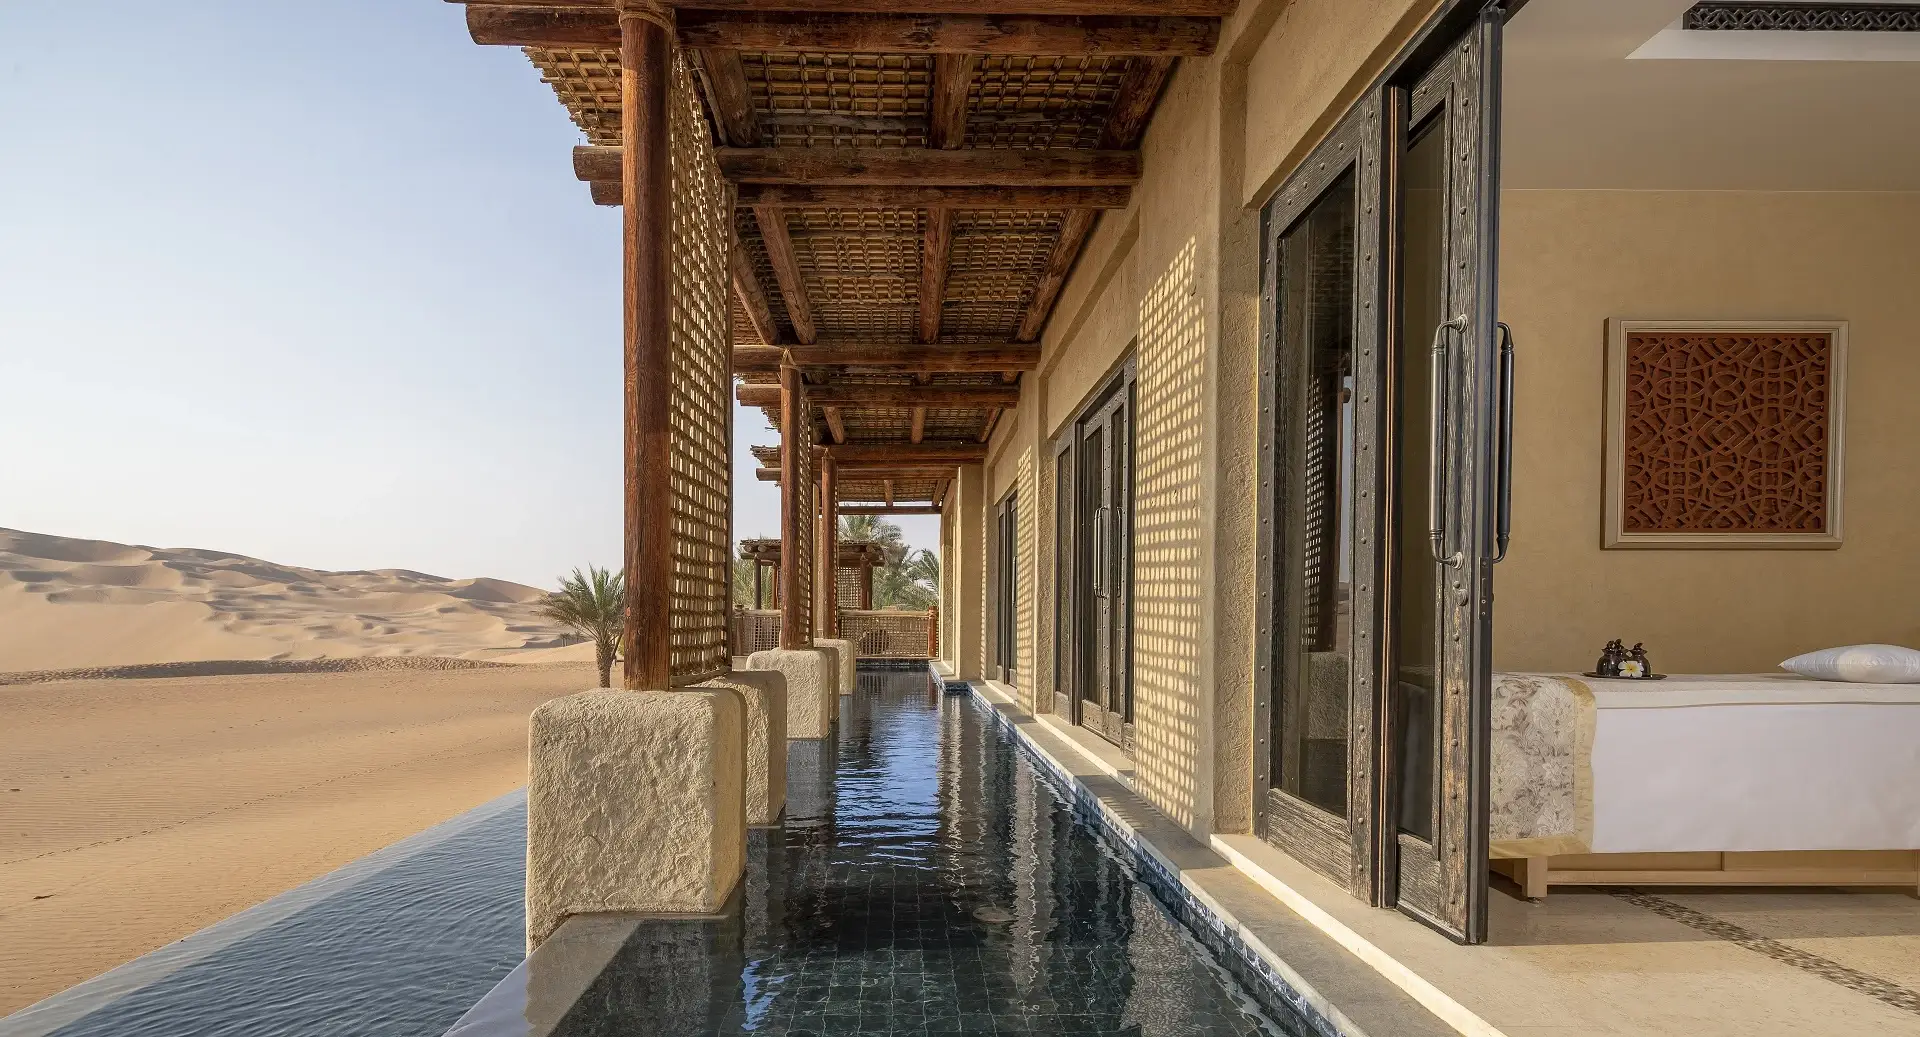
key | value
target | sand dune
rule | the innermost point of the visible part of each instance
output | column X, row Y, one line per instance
column 133, row 812
column 68, row 603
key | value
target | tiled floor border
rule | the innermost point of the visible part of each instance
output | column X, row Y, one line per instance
column 1252, row 970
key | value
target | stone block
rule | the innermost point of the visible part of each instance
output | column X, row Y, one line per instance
column 849, row 661
column 811, row 676
column 764, row 694
column 635, row 803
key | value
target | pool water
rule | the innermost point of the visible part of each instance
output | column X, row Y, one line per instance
column 939, row 886
column 926, row 879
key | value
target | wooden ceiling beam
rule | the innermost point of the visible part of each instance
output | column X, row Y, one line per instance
column 1102, row 30
column 837, row 396
column 836, row 424
column 605, row 192
column 891, row 32
column 935, row 243
column 865, row 473
column 948, row 451
column 918, row 432
column 913, row 167
column 889, row 509
column 786, row 270
column 729, row 97
column 942, row 359
column 1133, row 103
column 1073, row 234
column 921, row 196
column 947, row 101
column 1148, row 8
column 752, row 296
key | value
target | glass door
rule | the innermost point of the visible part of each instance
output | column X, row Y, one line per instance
column 1444, row 453
column 1094, row 475
column 1321, row 343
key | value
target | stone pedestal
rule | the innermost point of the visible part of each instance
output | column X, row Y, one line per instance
column 764, row 694
column 812, row 677
column 635, row 803
column 849, row 662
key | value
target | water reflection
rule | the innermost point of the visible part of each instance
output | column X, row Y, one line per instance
column 864, row 921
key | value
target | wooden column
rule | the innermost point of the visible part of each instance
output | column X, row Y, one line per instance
column 866, row 586
column 759, row 597
column 830, row 543
column 793, row 512
column 646, row 63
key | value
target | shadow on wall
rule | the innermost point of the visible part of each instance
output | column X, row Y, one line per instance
column 1027, row 565
column 1169, row 474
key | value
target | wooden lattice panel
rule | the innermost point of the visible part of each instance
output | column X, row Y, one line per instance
column 1724, row 435
column 1031, row 101
column 755, row 630
column 701, row 444
column 887, row 634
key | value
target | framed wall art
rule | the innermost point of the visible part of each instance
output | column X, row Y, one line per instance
column 1724, row 434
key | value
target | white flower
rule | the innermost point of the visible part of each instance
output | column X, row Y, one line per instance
column 1632, row 668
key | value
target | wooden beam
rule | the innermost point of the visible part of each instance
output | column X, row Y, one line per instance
column 920, row 196
column 1133, row 104
column 585, row 27
column 1073, row 234
column 947, row 102
column 646, row 70
column 830, row 544
column 887, row 486
column 793, row 511
column 944, row 452
column 871, row 32
column 986, row 430
column 889, row 509
column 729, row 98
column 836, row 424
column 753, row 298
column 786, row 270
column 604, row 192
column 856, row 471
column 1192, row 8
column 919, row 430
column 940, row 494
column 935, row 244
column 856, row 396
column 999, row 167
column 941, row 359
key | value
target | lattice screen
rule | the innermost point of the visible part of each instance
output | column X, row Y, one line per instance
column 702, row 426
column 801, row 554
column 850, row 585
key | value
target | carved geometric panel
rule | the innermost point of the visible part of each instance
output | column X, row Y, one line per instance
column 1724, row 435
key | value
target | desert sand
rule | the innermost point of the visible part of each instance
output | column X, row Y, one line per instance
column 67, row 603
column 185, row 733
column 133, row 812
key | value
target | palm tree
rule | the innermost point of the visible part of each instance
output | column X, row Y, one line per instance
column 592, row 604
column 907, row 579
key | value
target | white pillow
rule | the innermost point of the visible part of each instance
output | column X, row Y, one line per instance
column 1859, row 664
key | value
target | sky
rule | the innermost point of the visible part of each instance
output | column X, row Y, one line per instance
column 313, row 283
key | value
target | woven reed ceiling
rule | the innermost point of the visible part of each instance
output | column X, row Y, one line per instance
column 862, row 269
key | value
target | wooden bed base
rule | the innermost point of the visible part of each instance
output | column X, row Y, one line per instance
column 1768, row 868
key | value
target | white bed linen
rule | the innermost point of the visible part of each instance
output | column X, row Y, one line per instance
column 1755, row 762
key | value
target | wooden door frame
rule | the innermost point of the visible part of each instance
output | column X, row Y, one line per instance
column 1372, row 869
column 1006, row 589
column 1069, row 653
column 1340, row 848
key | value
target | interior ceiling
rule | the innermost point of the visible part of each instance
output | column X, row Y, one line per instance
column 1580, row 113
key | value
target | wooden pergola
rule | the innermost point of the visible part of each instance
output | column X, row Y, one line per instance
column 858, row 557
column 912, row 183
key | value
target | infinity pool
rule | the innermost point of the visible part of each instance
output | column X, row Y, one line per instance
column 927, row 879
column 935, row 884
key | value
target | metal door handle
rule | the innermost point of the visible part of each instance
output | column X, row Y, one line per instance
column 1436, row 452
column 1503, row 514
column 1100, row 551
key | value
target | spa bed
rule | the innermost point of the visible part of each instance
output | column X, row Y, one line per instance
column 1713, row 780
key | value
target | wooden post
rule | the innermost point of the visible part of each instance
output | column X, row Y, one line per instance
column 933, row 632
column 830, row 543
column 646, row 62
column 866, row 585
column 778, row 577
column 758, row 597
column 793, row 511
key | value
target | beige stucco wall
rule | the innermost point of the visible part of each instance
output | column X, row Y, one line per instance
column 1572, row 259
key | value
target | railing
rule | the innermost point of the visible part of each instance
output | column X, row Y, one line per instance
column 891, row 633
column 753, row 630
column 875, row 633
